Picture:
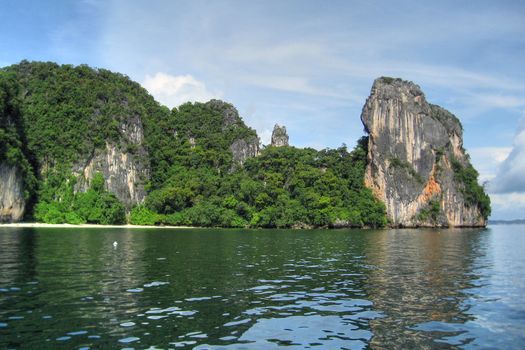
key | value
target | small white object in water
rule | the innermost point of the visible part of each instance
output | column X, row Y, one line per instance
column 115, row 244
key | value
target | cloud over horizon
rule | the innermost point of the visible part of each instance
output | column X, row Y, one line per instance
column 511, row 174
column 172, row 91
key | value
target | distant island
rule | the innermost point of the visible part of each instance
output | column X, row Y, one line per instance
column 80, row 145
column 507, row 222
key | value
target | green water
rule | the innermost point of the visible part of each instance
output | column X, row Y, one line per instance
column 258, row 289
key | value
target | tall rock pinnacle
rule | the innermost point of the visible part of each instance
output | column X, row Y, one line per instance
column 279, row 136
column 416, row 162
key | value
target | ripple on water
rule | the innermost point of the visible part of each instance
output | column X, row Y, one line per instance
column 128, row 340
column 302, row 331
column 155, row 284
column 77, row 333
column 306, row 330
column 158, row 313
column 198, row 299
column 15, row 318
column 236, row 323
column 184, row 343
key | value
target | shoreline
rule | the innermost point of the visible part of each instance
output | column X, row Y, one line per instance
column 128, row 226
column 40, row 225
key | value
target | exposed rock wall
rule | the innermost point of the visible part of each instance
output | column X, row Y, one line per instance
column 412, row 145
column 124, row 166
column 279, row 136
column 12, row 203
column 243, row 149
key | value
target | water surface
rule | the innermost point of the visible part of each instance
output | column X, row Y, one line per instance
column 71, row 288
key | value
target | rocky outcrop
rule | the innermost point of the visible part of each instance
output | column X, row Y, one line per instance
column 241, row 148
column 229, row 112
column 279, row 136
column 414, row 151
column 12, row 203
column 124, row 166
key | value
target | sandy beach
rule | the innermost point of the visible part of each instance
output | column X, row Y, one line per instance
column 38, row 224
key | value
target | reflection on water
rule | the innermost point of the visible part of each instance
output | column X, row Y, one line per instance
column 235, row 289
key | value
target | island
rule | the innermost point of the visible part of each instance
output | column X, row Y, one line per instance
column 83, row 145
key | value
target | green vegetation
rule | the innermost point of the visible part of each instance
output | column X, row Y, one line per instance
column 58, row 203
column 282, row 187
column 13, row 150
column 390, row 80
column 54, row 116
column 194, row 137
column 69, row 111
column 430, row 212
column 473, row 193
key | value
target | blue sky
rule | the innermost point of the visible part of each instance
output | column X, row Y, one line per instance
column 306, row 64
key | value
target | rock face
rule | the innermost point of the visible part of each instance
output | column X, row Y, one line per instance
column 12, row 203
column 125, row 170
column 412, row 149
column 279, row 136
column 243, row 149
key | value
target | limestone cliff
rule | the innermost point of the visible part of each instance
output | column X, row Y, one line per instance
column 12, row 203
column 279, row 136
column 244, row 148
column 124, row 166
column 415, row 158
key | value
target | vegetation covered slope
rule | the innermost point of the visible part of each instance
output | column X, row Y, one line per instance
column 282, row 187
column 201, row 166
column 65, row 114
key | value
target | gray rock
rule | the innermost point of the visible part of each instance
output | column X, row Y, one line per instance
column 12, row 203
column 125, row 165
column 279, row 136
column 243, row 149
column 412, row 145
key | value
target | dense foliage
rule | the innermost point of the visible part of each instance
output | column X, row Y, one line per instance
column 282, row 187
column 68, row 111
column 13, row 143
column 58, row 202
column 193, row 136
column 473, row 193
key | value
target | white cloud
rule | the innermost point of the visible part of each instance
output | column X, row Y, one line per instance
column 174, row 90
column 265, row 136
column 511, row 174
column 487, row 160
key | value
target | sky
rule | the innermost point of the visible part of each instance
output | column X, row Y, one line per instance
column 308, row 65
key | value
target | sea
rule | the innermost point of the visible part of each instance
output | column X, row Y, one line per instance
column 160, row 288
